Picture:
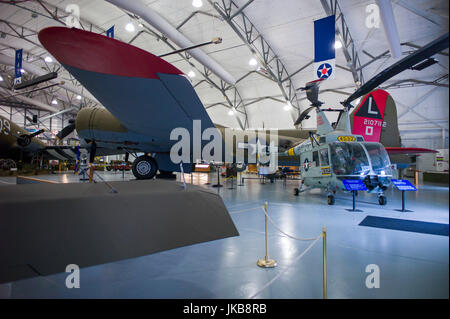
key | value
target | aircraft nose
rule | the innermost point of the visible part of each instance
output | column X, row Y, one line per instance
column 371, row 181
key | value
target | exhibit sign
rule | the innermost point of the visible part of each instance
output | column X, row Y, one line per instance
column 354, row 185
column 403, row 185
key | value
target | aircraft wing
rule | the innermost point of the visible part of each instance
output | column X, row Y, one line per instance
column 408, row 150
column 289, row 137
column 69, row 153
column 144, row 92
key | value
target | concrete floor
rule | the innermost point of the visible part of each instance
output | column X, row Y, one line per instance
column 412, row 265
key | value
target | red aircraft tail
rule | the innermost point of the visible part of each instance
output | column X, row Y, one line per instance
column 375, row 118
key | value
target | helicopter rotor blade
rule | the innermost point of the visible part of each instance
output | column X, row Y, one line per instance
column 424, row 53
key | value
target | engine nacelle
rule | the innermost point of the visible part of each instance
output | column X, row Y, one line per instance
column 97, row 124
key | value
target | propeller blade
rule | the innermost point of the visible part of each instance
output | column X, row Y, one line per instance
column 37, row 133
column 304, row 115
column 427, row 51
column 312, row 92
column 66, row 131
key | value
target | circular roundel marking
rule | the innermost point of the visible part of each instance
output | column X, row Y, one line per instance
column 306, row 164
column 143, row 167
column 324, row 71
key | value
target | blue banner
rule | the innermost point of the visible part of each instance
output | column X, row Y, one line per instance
column 18, row 64
column 110, row 32
column 324, row 51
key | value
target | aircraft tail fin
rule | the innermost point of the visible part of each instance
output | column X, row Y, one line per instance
column 375, row 118
column 323, row 125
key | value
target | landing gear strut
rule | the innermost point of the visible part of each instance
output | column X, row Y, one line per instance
column 144, row 167
column 382, row 200
column 331, row 199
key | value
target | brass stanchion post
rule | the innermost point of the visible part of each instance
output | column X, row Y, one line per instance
column 324, row 240
column 91, row 173
column 266, row 262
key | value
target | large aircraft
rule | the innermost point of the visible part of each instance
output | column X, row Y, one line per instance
column 145, row 98
column 18, row 144
column 15, row 142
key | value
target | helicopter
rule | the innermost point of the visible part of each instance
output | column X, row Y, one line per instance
column 333, row 153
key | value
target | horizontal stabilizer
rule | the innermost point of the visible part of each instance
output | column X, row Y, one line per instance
column 408, row 150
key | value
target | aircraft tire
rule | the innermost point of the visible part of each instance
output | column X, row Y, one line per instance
column 382, row 200
column 331, row 200
column 144, row 167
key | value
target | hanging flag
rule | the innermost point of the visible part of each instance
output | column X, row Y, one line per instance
column 324, row 51
column 110, row 32
column 18, row 67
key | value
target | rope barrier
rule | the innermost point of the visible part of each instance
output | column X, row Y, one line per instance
column 244, row 210
column 271, row 263
column 113, row 190
column 287, row 268
column 290, row 236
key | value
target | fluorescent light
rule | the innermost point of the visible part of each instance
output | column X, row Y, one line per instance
column 287, row 106
column 191, row 74
column 78, row 97
column 197, row 3
column 130, row 27
column 253, row 62
column 54, row 102
column 48, row 59
column 337, row 44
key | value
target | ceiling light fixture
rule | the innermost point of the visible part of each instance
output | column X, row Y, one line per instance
column 22, row 70
column 48, row 59
column 78, row 97
column 197, row 3
column 337, row 44
column 54, row 102
column 231, row 112
column 287, row 106
column 130, row 27
column 191, row 74
column 1, row 79
column 253, row 62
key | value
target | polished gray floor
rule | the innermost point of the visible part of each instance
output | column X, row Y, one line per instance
column 412, row 265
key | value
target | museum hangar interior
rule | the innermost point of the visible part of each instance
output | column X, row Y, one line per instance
column 224, row 149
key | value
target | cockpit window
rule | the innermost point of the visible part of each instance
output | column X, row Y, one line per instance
column 379, row 158
column 324, row 157
column 348, row 159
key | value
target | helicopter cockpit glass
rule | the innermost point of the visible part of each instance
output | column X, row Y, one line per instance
column 379, row 158
column 348, row 159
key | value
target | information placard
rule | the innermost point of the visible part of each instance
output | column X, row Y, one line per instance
column 403, row 185
column 354, row 185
